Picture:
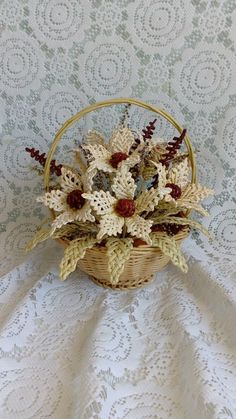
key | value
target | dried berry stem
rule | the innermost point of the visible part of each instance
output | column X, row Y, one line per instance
column 125, row 115
column 41, row 158
column 172, row 148
column 149, row 130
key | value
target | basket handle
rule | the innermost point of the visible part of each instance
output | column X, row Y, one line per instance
column 104, row 104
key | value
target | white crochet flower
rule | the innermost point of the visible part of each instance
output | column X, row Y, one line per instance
column 182, row 192
column 114, row 155
column 176, row 175
column 124, row 209
column 68, row 200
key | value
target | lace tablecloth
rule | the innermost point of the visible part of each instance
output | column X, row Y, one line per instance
column 71, row 349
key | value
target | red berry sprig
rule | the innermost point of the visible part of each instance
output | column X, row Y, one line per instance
column 172, row 148
column 41, row 158
column 149, row 130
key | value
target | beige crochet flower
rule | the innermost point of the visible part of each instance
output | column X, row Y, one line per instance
column 124, row 209
column 68, row 200
column 182, row 192
column 114, row 155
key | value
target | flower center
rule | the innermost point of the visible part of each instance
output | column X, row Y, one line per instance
column 125, row 207
column 116, row 158
column 176, row 191
column 75, row 200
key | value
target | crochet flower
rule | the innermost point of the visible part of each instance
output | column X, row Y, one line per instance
column 123, row 209
column 68, row 200
column 114, row 155
column 182, row 192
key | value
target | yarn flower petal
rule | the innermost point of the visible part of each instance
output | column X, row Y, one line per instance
column 123, row 184
column 56, row 199
column 110, row 225
column 69, row 180
column 139, row 227
column 99, row 158
column 84, row 214
column 101, row 201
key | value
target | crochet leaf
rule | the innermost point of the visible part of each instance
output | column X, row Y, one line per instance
column 110, row 225
column 74, row 252
column 118, row 251
column 170, row 248
column 121, row 140
column 161, row 171
column 94, row 137
column 192, row 206
column 195, row 193
column 182, row 221
column 78, row 228
column 147, row 200
column 148, row 170
column 97, row 151
column 175, row 206
column 101, row 201
column 39, row 237
column 65, row 230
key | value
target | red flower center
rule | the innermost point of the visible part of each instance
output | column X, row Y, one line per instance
column 116, row 158
column 125, row 207
column 176, row 191
column 75, row 200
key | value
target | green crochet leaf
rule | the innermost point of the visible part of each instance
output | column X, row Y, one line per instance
column 39, row 237
column 74, row 252
column 169, row 247
column 118, row 251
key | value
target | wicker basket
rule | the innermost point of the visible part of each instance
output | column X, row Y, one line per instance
column 144, row 260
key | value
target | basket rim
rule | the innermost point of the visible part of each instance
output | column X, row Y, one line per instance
column 102, row 249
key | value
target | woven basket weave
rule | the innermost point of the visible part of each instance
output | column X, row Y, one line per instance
column 144, row 260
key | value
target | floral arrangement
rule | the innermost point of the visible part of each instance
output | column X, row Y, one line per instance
column 131, row 191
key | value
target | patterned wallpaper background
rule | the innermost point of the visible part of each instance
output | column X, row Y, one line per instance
column 58, row 56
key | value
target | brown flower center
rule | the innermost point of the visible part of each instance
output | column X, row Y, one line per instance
column 75, row 200
column 125, row 207
column 116, row 158
column 176, row 191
